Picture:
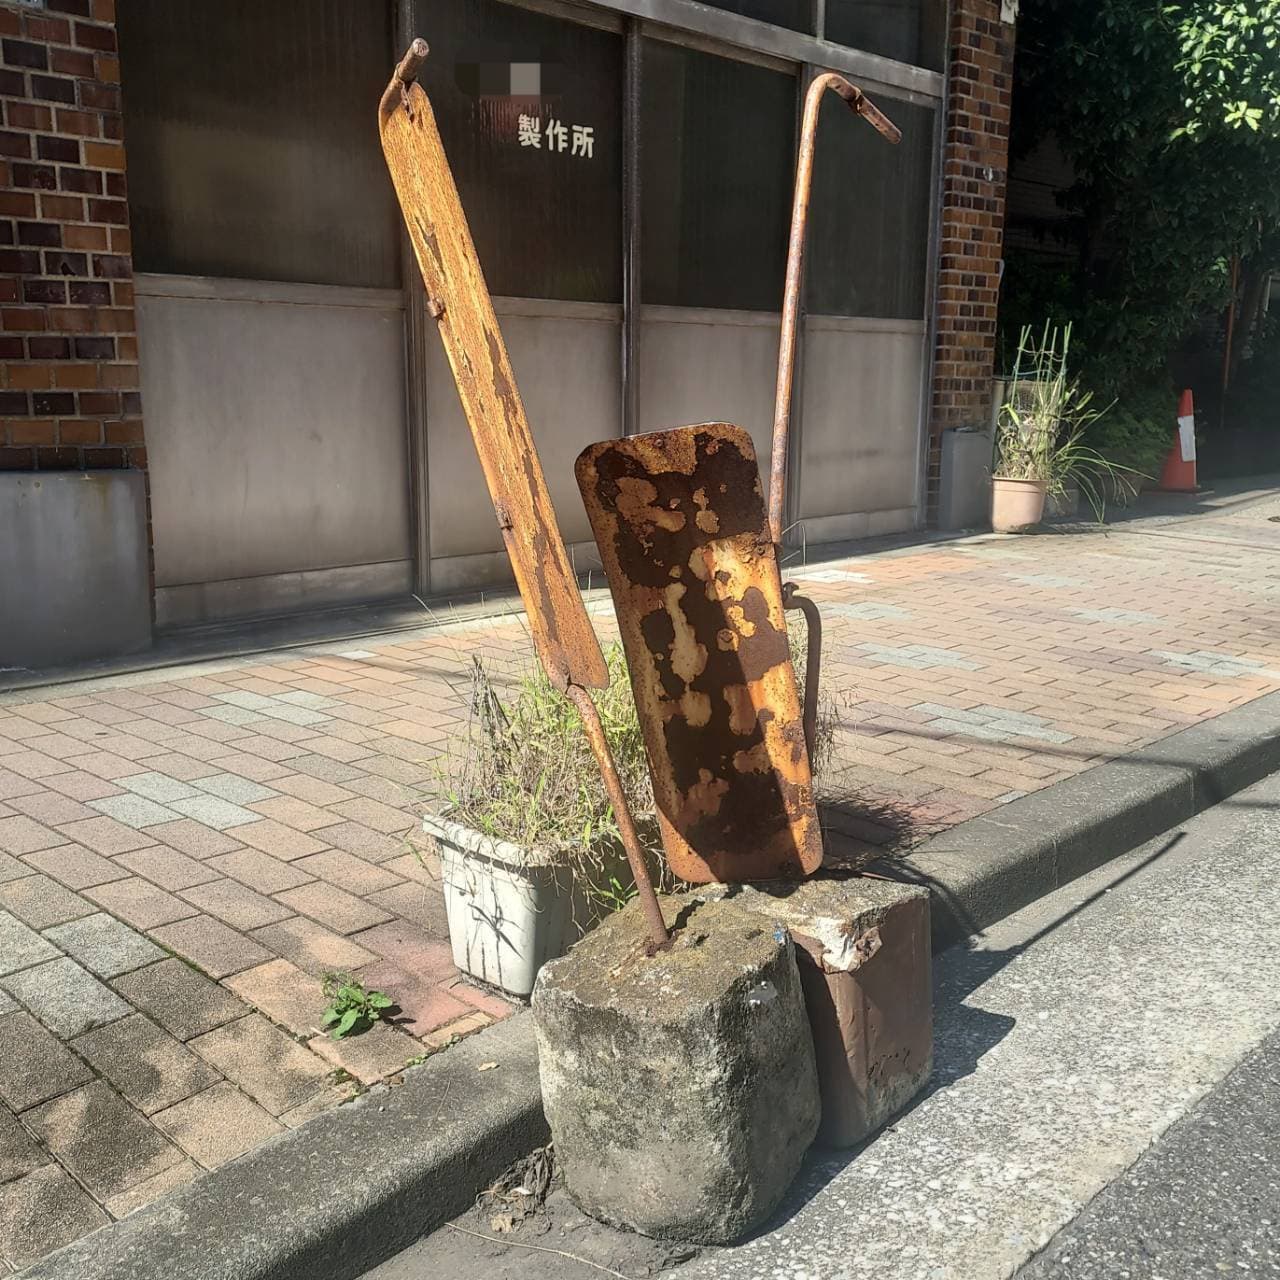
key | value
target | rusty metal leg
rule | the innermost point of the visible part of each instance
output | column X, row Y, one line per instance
column 613, row 786
column 860, row 105
column 791, row 599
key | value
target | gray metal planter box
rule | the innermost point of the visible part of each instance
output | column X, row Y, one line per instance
column 73, row 567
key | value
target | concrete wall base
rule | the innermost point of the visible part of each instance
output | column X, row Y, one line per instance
column 74, row 579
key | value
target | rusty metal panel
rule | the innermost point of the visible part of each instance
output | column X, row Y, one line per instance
column 679, row 518
column 459, row 300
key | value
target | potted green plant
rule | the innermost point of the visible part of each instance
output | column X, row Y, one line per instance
column 1041, row 453
column 529, row 848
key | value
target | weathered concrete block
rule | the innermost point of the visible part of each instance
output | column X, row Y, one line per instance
column 864, row 955
column 680, row 1088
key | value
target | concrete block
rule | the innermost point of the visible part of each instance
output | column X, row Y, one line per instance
column 864, row 957
column 74, row 577
column 680, row 1088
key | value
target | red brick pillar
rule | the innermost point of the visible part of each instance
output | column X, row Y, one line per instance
column 974, row 174
column 69, row 392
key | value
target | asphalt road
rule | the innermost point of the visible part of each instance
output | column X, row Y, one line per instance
column 1204, row 1201
column 1068, row 1041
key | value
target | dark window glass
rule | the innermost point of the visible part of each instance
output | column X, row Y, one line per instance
column 795, row 14
column 530, row 110
column 870, row 214
column 252, row 148
column 912, row 31
column 716, row 150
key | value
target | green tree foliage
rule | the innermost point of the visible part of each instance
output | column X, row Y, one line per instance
column 1169, row 115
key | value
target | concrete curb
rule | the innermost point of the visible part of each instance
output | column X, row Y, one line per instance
column 989, row 867
column 344, row 1192
column 358, row 1184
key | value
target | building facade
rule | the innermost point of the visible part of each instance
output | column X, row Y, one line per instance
column 205, row 281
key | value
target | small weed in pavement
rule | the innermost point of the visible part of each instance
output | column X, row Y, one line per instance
column 351, row 1008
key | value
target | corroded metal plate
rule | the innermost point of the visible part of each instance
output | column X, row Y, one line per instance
column 459, row 300
column 679, row 518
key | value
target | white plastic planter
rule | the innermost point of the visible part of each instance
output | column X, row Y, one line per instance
column 510, row 909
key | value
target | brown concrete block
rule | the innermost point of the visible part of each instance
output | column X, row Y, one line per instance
column 864, row 956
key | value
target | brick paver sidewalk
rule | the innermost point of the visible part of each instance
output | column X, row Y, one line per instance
column 184, row 853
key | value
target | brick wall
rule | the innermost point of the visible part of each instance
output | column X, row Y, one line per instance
column 69, row 393
column 974, row 175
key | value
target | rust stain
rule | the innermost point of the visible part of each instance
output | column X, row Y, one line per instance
column 679, row 518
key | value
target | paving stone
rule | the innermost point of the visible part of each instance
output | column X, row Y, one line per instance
column 347, row 871
column 372, row 813
column 101, row 1140
column 105, row 835
column 333, row 907
column 493, row 1005
column 82, row 786
column 423, row 1005
column 281, row 842
column 313, row 948
column 314, row 791
column 140, row 902
column 160, row 787
column 412, row 950
column 212, row 946
column 232, row 787
column 329, row 1097
column 194, row 838
column 285, row 993
column 295, row 813
column 75, row 866
column 134, row 811
column 18, row 1152
column 236, row 904
column 372, row 846
column 221, row 815
column 21, row 946
column 371, row 1056
column 451, row 1031
column 23, row 835
column 14, row 784
column 422, row 866
column 7, row 1003
column 104, row 945
column 277, row 1072
column 325, row 769
column 259, row 870
column 34, row 1066
column 143, row 1193
column 421, row 904
column 175, row 767
column 66, row 998
column 217, row 1125
column 168, row 868
column 11, row 868
column 34, row 765
column 147, row 1065
column 41, row 1213
column 51, row 807
column 40, row 902
column 181, row 1000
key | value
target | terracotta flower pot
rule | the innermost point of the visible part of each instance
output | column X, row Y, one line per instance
column 1016, row 505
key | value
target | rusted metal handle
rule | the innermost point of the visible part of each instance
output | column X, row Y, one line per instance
column 403, row 76
column 861, row 105
column 658, row 935
column 791, row 599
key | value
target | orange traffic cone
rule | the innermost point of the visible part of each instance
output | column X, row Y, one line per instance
column 1179, row 472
